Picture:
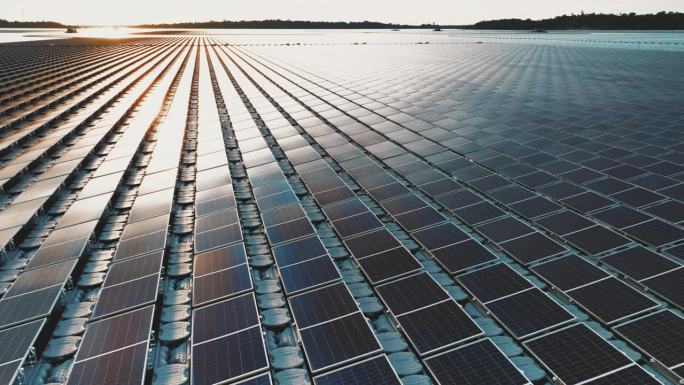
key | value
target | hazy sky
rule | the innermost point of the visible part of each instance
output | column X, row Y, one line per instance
column 110, row 12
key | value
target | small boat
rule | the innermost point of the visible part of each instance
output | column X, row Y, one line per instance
column 538, row 30
column 71, row 30
column 437, row 29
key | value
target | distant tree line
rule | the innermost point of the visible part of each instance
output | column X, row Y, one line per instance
column 30, row 24
column 661, row 20
column 286, row 24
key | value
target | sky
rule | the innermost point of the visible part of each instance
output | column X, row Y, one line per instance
column 127, row 12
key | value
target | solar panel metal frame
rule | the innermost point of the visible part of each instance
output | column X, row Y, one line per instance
column 485, row 340
column 256, row 378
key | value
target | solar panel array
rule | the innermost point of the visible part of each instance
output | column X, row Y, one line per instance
column 189, row 210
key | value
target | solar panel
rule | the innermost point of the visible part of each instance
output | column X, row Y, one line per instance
column 311, row 273
column 371, row 243
column 564, row 222
column 125, row 296
column 148, row 226
column 655, row 232
column 632, row 375
column 16, row 343
column 403, row 204
column 333, row 196
column 13, row 310
column 504, row 229
column 668, row 285
column 322, row 304
column 120, row 367
column 611, row 300
column 229, row 358
column 357, row 224
column 223, row 318
column 569, row 272
column 478, row 213
column 219, row 237
column 493, row 282
column 276, row 200
column 587, row 202
column 458, row 199
column 532, row 247
column 476, row 363
column 216, row 220
column 289, row 231
column 411, row 293
column 639, row 263
column 219, row 259
column 528, row 312
column 115, row 333
column 419, row 219
column 462, row 256
column 438, row 326
column 151, row 205
column 282, row 214
column 388, row 191
column 660, row 335
column 338, row 342
column 47, row 255
column 388, row 265
column 298, row 251
column 345, row 209
column 134, row 268
column 535, row 207
column 129, row 248
column 576, row 354
column 210, row 206
column 373, row 371
column 596, row 240
column 439, row 236
column 621, row 216
column 41, row 278
column 221, row 284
